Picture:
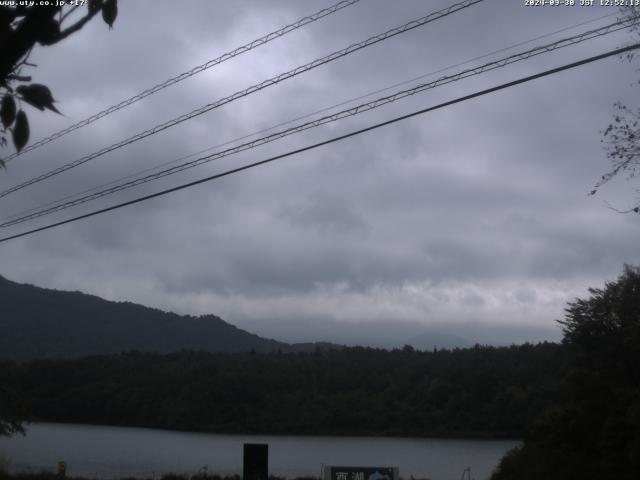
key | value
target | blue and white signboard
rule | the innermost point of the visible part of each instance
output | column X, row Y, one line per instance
column 360, row 473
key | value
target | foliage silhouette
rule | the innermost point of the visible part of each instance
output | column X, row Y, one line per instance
column 594, row 430
column 622, row 136
column 22, row 27
column 476, row 392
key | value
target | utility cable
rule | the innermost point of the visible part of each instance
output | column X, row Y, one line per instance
column 302, row 117
column 365, row 107
column 503, row 86
column 183, row 76
column 254, row 88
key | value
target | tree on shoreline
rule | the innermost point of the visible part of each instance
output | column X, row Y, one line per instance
column 594, row 431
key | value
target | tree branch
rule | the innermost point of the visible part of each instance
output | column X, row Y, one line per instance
column 19, row 78
column 76, row 26
column 635, row 209
column 63, row 18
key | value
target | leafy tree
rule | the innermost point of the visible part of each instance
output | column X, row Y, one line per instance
column 21, row 29
column 594, row 431
column 604, row 330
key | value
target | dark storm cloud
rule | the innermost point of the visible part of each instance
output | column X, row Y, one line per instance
column 472, row 218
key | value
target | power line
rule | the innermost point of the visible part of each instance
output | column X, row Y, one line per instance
column 331, row 140
column 330, row 118
column 616, row 26
column 302, row 117
column 195, row 70
column 254, row 88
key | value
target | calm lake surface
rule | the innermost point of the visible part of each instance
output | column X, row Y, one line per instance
column 108, row 452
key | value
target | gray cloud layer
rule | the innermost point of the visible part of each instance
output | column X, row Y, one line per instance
column 473, row 218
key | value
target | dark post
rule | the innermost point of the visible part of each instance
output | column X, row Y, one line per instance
column 62, row 469
column 256, row 461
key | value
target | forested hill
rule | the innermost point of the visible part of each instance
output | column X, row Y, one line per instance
column 42, row 323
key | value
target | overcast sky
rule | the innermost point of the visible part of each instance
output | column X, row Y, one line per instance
column 472, row 220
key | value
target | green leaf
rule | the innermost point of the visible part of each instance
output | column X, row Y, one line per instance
column 110, row 12
column 8, row 110
column 37, row 95
column 21, row 131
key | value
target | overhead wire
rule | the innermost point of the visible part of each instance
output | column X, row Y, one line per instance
column 184, row 75
column 252, row 89
column 502, row 86
column 302, row 117
column 361, row 108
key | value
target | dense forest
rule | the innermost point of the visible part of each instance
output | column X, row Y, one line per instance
column 475, row 392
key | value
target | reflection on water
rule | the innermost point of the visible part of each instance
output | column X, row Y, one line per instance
column 108, row 452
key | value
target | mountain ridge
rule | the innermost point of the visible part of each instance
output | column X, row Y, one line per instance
column 40, row 322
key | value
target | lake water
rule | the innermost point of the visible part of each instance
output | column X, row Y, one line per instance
column 110, row 452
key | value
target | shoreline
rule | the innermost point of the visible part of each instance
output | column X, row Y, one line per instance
column 235, row 433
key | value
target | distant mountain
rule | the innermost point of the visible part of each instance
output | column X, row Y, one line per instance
column 386, row 334
column 431, row 340
column 42, row 323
